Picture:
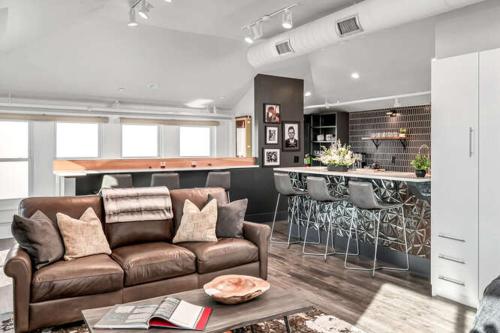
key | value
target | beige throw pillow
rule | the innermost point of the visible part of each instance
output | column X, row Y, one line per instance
column 82, row 237
column 196, row 225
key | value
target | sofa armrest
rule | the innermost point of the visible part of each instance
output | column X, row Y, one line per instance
column 259, row 234
column 18, row 267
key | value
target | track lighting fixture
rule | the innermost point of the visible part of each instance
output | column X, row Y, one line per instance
column 131, row 18
column 287, row 20
column 143, row 11
column 254, row 30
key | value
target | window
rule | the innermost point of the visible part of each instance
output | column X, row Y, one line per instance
column 76, row 140
column 139, row 140
column 194, row 141
column 14, row 165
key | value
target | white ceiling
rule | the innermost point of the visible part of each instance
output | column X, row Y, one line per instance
column 83, row 49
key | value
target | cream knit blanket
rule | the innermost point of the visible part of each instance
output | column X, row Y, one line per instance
column 137, row 204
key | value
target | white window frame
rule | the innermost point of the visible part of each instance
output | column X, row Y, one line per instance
column 99, row 142
column 28, row 159
column 158, row 142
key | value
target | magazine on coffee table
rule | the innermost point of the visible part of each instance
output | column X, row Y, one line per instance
column 170, row 313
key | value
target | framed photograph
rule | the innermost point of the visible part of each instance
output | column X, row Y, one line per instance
column 291, row 136
column 272, row 135
column 272, row 113
column 271, row 157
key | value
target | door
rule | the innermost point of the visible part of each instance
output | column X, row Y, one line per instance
column 489, row 181
column 454, row 247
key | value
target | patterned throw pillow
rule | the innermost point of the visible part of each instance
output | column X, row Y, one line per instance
column 84, row 236
column 197, row 225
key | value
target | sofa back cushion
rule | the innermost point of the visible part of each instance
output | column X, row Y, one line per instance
column 71, row 206
column 130, row 233
column 198, row 196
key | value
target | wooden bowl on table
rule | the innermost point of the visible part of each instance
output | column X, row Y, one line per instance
column 235, row 289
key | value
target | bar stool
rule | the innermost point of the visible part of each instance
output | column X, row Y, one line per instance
column 319, row 194
column 363, row 197
column 283, row 185
column 117, row 181
column 220, row 179
column 170, row 180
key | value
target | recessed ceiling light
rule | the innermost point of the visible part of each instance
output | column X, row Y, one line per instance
column 248, row 35
column 355, row 75
column 143, row 11
column 199, row 103
column 307, row 94
column 153, row 86
column 169, row 1
column 287, row 20
column 121, row 89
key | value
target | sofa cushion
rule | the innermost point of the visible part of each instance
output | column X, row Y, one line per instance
column 130, row 233
column 230, row 218
column 83, row 276
column 198, row 196
column 40, row 237
column 82, row 237
column 226, row 253
column 197, row 225
column 153, row 261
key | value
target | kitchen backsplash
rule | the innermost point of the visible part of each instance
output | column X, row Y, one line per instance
column 390, row 154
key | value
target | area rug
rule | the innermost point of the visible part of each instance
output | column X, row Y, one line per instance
column 313, row 321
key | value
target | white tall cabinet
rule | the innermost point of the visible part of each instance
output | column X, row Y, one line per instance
column 465, row 154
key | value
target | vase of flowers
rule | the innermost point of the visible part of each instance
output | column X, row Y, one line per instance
column 422, row 162
column 337, row 158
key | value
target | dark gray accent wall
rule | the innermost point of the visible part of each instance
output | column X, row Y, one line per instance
column 391, row 155
column 289, row 93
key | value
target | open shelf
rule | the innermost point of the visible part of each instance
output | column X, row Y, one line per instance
column 378, row 140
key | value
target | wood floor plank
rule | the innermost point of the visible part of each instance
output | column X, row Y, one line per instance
column 390, row 302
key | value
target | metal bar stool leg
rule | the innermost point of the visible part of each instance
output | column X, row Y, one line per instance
column 274, row 218
column 307, row 228
column 407, row 268
column 357, row 241
column 377, row 231
column 349, row 240
column 294, row 211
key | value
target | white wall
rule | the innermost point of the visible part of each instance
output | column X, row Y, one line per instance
column 470, row 29
column 246, row 107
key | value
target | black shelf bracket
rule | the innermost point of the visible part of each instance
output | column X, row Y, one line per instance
column 402, row 141
column 376, row 143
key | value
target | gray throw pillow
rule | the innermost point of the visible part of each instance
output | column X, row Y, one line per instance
column 230, row 218
column 38, row 236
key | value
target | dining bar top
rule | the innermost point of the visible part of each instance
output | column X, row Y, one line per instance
column 359, row 173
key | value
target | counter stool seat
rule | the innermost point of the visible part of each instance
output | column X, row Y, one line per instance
column 362, row 196
column 171, row 180
column 219, row 179
column 117, row 181
column 283, row 185
column 319, row 194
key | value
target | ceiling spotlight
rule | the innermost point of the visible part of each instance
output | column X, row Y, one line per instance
column 307, row 94
column 131, row 18
column 248, row 35
column 256, row 30
column 287, row 20
column 392, row 113
column 355, row 75
column 143, row 11
column 169, row 1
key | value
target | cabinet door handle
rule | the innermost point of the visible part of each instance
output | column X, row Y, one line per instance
column 471, row 132
column 451, row 237
column 457, row 260
column 447, row 279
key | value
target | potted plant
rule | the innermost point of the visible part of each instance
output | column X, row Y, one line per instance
column 421, row 162
column 337, row 158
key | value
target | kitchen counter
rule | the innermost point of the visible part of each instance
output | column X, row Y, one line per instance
column 390, row 187
column 359, row 173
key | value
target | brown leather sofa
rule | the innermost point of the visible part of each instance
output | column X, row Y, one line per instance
column 144, row 262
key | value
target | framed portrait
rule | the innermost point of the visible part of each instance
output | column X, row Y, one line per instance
column 291, row 136
column 272, row 113
column 271, row 157
column 272, row 135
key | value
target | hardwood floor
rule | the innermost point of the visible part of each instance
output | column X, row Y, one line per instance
column 389, row 302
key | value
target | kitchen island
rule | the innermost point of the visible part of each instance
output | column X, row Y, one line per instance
column 389, row 186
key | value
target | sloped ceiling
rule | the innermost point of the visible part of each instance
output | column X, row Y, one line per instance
column 83, row 49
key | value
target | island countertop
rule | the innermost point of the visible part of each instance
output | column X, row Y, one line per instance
column 359, row 173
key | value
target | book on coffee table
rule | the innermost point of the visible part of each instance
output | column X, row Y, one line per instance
column 170, row 313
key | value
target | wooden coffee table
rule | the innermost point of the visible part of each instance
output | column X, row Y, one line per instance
column 275, row 303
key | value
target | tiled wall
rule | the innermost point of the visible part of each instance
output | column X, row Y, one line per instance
column 417, row 120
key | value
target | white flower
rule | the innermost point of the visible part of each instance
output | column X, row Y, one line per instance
column 337, row 155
